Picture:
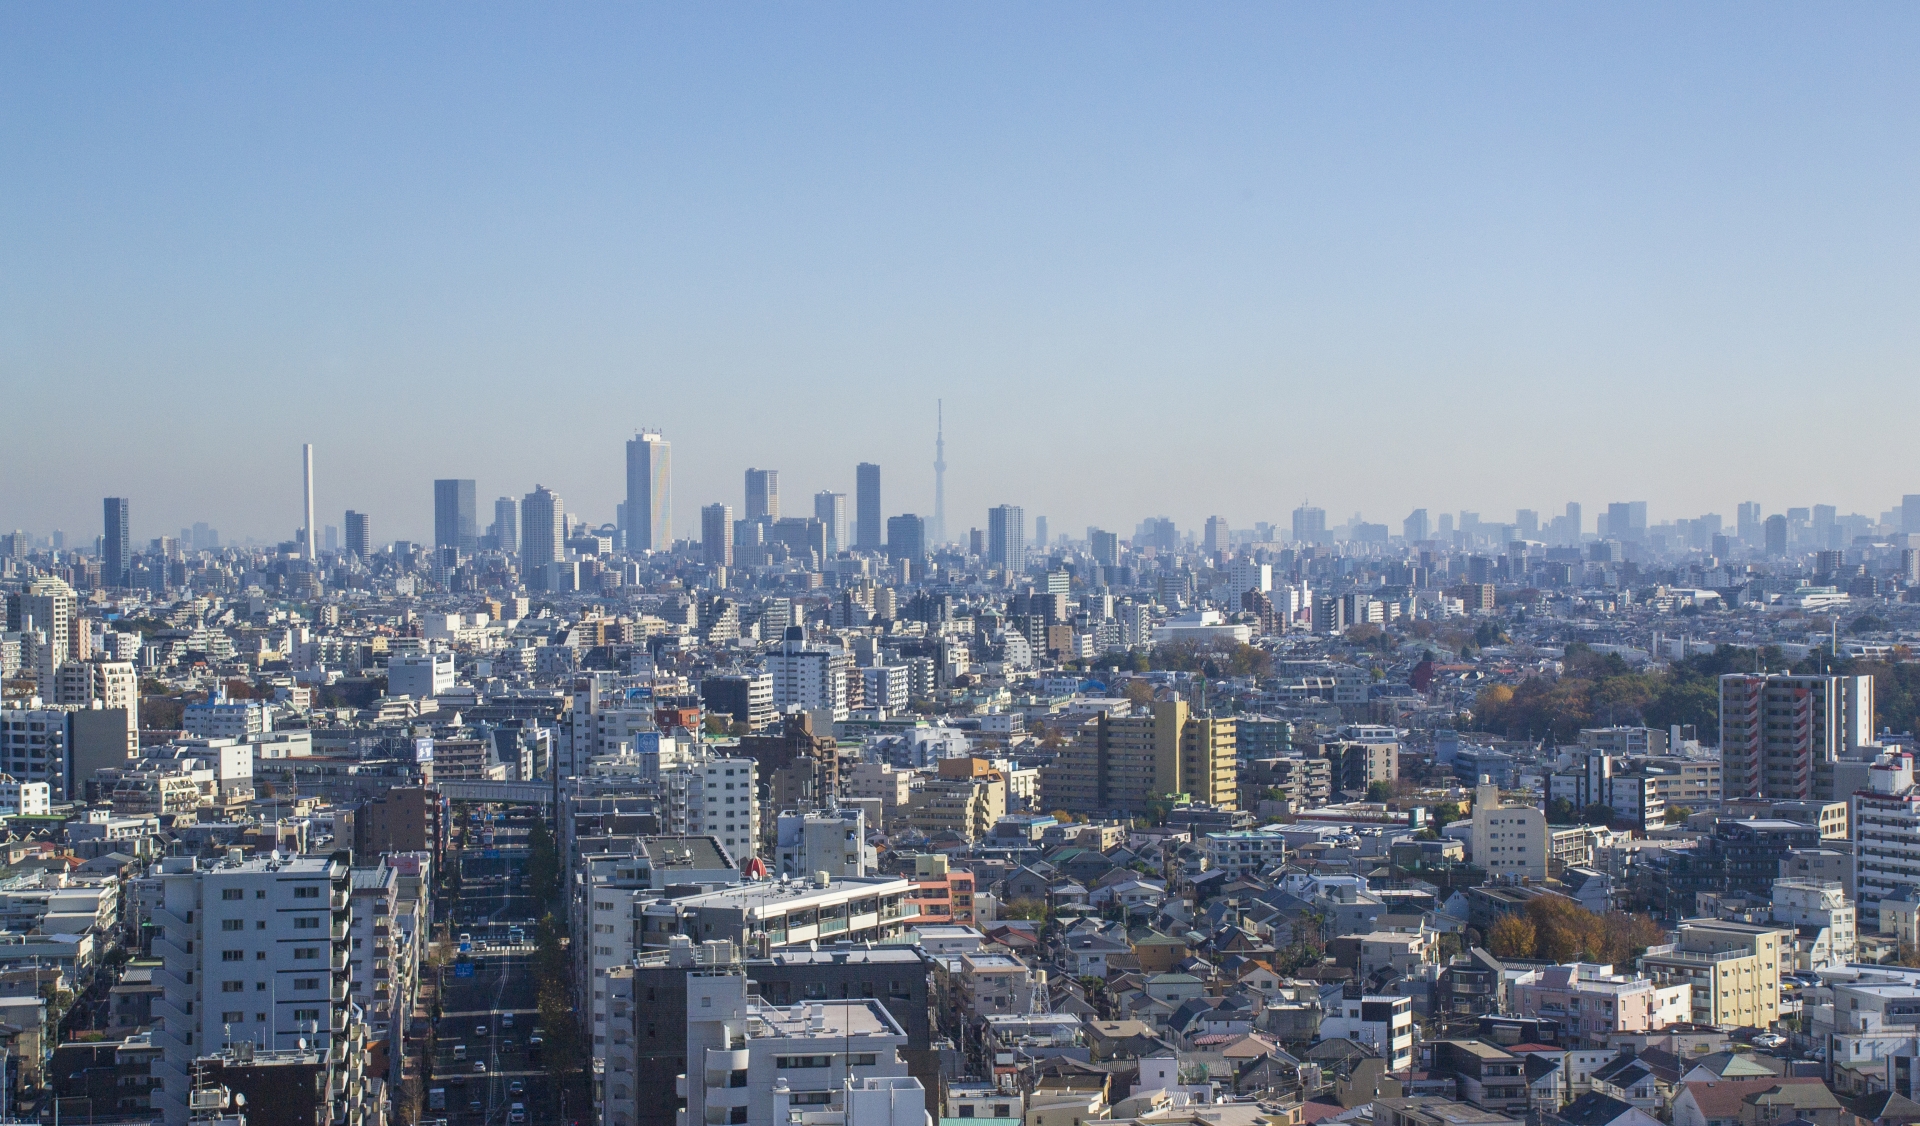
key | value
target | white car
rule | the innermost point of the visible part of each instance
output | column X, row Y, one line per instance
column 1769, row 1040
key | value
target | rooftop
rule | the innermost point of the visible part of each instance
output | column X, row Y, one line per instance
column 779, row 895
column 816, row 1020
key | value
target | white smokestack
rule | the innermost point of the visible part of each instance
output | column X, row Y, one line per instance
column 306, row 457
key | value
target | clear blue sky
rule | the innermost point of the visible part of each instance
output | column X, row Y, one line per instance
column 1157, row 258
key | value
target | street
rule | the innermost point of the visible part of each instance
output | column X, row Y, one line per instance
column 502, row 985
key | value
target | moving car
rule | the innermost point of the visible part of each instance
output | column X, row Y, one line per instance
column 517, row 1087
column 1769, row 1040
column 479, row 1067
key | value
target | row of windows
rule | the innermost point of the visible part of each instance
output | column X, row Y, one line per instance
column 261, row 986
column 303, row 952
column 858, row 1059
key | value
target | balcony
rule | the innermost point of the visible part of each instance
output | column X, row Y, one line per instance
column 721, row 1064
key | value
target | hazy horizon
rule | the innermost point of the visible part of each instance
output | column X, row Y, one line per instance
column 1156, row 261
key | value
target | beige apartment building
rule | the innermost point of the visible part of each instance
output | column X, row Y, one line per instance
column 1734, row 969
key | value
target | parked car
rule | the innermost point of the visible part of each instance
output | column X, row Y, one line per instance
column 1769, row 1040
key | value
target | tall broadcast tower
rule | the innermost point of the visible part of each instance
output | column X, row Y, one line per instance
column 940, row 473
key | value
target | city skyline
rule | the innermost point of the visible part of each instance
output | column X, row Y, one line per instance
column 1461, row 217
column 452, row 514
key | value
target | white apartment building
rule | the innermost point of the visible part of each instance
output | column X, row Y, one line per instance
column 257, row 950
column 723, row 801
column 1869, row 1025
column 887, row 687
column 827, row 1063
column 604, row 723
column 27, row 799
column 1383, row 1023
column 380, row 963
column 1248, row 853
column 1886, row 836
column 834, row 842
column 114, row 683
column 1824, row 906
column 1510, row 842
column 809, row 679
column 420, row 674
column 220, row 718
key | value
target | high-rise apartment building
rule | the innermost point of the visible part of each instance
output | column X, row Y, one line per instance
column 1309, row 524
column 506, row 525
column 906, row 538
column 1124, row 763
column 543, row 525
column 47, row 605
column 831, row 510
column 116, row 544
column 763, row 494
column 113, row 684
column 1007, row 538
column 1416, row 527
column 1776, row 535
column 716, row 534
column 1215, row 535
column 255, row 950
column 1910, row 513
column 1885, row 818
column 1747, row 522
column 359, row 539
column 1105, row 547
column 1780, row 735
column 649, row 509
column 455, row 519
column 866, row 534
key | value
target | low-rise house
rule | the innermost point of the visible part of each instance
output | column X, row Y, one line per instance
column 1722, row 1102
column 1490, row 1078
column 1596, row 1109
column 1435, row 1112
column 992, row 984
column 1630, row 1081
column 1383, row 1023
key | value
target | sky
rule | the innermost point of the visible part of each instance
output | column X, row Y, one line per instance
column 1155, row 259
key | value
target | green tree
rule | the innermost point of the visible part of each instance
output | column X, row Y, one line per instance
column 1379, row 791
column 543, row 864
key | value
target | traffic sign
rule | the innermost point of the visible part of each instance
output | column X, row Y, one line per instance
column 463, row 969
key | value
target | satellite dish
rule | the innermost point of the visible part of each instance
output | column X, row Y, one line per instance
column 239, row 1099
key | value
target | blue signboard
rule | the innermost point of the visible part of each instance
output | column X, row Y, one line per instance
column 463, row 969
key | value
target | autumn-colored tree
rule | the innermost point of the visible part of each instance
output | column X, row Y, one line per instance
column 1564, row 930
column 1626, row 937
column 1511, row 936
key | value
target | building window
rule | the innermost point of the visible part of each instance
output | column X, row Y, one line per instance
column 233, row 955
column 233, row 987
column 232, row 893
column 308, row 892
column 233, row 924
